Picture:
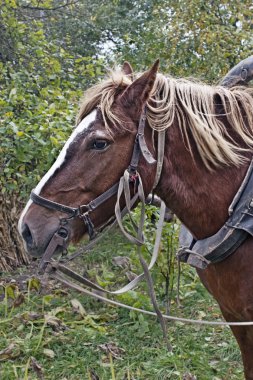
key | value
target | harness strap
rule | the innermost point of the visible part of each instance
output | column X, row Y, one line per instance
column 140, row 146
column 160, row 156
column 145, row 151
column 74, row 211
column 124, row 185
column 95, row 203
column 56, row 241
column 44, row 202
column 241, row 74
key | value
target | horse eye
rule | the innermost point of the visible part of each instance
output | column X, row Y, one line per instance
column 99, row 144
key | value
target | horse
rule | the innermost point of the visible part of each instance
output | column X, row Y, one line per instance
column 208, row 147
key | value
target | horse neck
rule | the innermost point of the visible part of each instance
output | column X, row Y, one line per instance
column 198, row 197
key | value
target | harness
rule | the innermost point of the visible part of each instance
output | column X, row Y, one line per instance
column 230, row 236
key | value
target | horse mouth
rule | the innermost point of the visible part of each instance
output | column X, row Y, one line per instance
column 35, row 252
column 38, row 252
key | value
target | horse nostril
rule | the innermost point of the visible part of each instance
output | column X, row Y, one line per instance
column 27, row 236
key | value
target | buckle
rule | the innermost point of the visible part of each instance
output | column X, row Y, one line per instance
column 82, row 210
column 192, row 258
column 88, row 223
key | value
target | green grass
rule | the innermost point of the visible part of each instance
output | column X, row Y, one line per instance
column 208, row 353
column 70, row 343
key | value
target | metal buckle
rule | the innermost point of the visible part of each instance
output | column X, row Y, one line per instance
column 83, row 209
column 192, row 258
column 90, row 226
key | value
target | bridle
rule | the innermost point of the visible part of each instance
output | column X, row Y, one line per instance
column 130, row 177
column 83, row 211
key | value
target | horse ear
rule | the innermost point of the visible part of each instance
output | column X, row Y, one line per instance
column 127, row 69
column 138, row 92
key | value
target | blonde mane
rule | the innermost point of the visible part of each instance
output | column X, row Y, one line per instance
column 192, row 104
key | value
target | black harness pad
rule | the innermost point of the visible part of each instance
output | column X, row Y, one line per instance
column 231, row 235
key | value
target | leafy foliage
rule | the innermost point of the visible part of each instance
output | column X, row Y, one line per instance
column 197, row 38
column 37, row 118
column 193, row 38
column 40, row 87
column 52, row 50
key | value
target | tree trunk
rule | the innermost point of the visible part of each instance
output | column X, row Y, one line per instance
column 12, row 253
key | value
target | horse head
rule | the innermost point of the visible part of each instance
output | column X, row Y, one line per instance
column 92, row 161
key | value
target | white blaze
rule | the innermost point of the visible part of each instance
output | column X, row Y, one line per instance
column 85, row 123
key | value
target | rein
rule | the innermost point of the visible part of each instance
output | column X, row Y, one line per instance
column 80, row 289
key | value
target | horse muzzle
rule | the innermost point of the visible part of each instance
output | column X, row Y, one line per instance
column 37, row 229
